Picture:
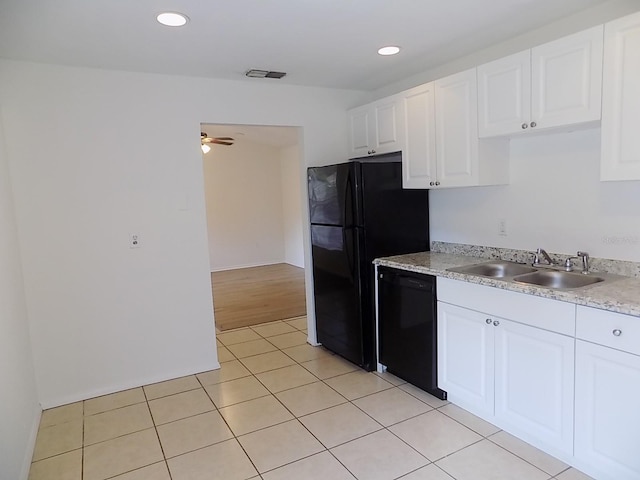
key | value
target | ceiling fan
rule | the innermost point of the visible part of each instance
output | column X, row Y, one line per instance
column 205, row 140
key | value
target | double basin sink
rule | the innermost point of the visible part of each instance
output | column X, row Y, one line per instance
column 525, row 274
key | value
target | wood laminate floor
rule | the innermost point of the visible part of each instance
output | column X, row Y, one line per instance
column 249, row 296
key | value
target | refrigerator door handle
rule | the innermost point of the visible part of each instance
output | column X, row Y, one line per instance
column 347, row 250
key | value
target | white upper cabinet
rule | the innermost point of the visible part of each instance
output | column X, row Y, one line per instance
column 376, row 128
column 457, row 129
column 552, row 85
column 419, row 154
column 441, row 146
column 621, row 100
column 567, row 80
column 504, row 95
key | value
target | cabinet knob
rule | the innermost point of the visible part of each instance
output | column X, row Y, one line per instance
column 524, row 126
column 617, row 332
column 437, row 183
column 432, row 183
column 372, row 151
column 534, row 124
column 488, row 320
column 496, row 323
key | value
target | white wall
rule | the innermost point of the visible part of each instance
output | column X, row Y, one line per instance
column 293, row 203
column 118, row 153
column 243, row 191
column 19, row 408
column 555, row 200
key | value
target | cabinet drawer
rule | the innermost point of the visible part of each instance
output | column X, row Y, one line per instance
column 611, row 329
column 551, row 315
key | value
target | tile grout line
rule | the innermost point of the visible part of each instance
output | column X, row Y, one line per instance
column 326, row 449
column 153, row 421
column 323, row 381
column 235, row 437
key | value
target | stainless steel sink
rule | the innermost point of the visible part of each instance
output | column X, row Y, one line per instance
column 495, row 269
column 557, row 279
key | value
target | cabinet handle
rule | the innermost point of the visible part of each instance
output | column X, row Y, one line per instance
column 524, row 126
column 437, row 183
column 496, row 323
column 488, row 320
column 617, row 332
column 534, row 124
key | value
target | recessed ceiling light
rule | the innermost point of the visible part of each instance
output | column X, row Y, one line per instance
column 172, row 19
column 390, row 50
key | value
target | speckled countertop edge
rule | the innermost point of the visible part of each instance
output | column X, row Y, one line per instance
column 621, row 295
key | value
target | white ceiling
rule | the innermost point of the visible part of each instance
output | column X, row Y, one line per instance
column 330, row 43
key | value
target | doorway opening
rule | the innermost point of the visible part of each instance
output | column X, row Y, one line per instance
column 253, row 195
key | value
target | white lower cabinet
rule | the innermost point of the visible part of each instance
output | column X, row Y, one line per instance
column 465, row 357
column 562, row 377
column 517, row 376
column 607, row 412
column 607, row 408
column 534, row 377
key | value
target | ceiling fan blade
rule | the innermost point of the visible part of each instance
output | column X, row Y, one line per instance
column 229, row 139
column 220, row 142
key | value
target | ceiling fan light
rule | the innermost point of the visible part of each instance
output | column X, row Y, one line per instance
column 172, row 19
column 205, row 148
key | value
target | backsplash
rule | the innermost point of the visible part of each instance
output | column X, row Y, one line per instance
column 616, row 267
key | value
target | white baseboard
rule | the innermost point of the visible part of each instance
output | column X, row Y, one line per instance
column 248, row 265
column 77, row 397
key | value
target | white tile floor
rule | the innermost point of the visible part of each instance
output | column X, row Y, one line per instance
column 280, row 409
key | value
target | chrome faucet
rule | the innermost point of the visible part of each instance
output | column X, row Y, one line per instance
column 536, row 257
column 585, row 261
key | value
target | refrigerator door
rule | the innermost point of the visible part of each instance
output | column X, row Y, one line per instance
column 337, row 290
column 333, row 198
column 396, row 220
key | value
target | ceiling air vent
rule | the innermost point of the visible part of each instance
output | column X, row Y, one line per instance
column 253, row 73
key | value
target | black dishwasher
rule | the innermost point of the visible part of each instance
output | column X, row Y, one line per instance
column 407, row 336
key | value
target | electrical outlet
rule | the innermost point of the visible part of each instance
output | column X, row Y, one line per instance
column 502, row 227
column 134, row 240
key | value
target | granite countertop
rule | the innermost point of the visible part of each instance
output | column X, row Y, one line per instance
column 620, row 295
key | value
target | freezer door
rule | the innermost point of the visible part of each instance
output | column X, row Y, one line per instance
column 338, row 292
column 333, row 194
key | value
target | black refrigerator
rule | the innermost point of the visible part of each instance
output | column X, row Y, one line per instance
column 358, row 212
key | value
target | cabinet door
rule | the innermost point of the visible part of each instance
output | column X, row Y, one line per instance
column 504, row 95
column 387, row 126
column 621, row 100
column 607, row 435
column 465, row 358
column 534, row 378
column 360, row 131
column 567, row 80
column 419, row 154
column 457, row 129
